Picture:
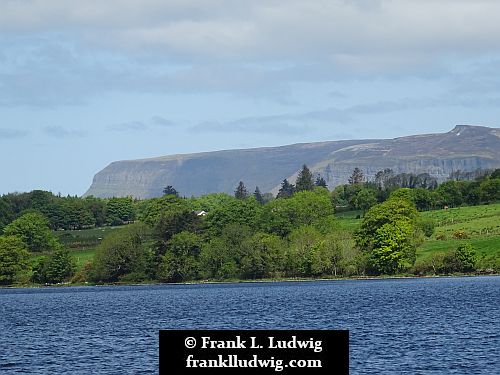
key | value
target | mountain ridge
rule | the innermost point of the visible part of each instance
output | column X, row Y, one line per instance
column 465, row 147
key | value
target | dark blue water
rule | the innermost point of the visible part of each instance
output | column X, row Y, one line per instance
column 409, row 326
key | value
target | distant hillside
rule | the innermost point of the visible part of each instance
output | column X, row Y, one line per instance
column 464, row 148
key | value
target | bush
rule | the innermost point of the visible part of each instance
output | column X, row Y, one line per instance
column 427, row 226
column 460, row 235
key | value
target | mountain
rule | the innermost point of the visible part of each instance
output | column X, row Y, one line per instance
column 464, row 148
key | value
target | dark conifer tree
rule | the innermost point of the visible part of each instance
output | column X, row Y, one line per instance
column 320, row 181
column 169, row 190
column 304, row 180
column 258, row 195
column 287, row 189
column 241, row 191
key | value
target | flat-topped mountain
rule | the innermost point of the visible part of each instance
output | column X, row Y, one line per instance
column 464, row 148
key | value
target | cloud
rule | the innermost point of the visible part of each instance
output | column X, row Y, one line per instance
column 293, row 123
column 12, row 133
column 358, row 34
column 140, row 126
column 63, row 53
column 129, row 126
column 160, row 121
column 60, row 132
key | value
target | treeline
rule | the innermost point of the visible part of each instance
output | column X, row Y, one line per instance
column 423, row 190
column 245, row 236
column 67, row 212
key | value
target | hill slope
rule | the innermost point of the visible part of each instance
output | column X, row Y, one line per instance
column 464, row 148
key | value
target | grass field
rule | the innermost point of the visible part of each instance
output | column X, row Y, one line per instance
column 479, row 225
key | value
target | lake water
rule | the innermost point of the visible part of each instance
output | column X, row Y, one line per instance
column 401, row 326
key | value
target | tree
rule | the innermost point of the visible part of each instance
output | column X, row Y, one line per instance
column 258, row 195
column 304, row 180
column 365, row 199
column 241, row 191
column 14, row 258
column 463, row 259
column 169, row 190
column 286, row 190
column 180, row 262
column 33, row 229
column 320, row 181
column 123, row 254
column 55, row 268
column 120, row 211
column 357, row 177
column 390, row 232
column 304, row 208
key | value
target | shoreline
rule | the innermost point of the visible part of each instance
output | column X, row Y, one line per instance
column 237, row 281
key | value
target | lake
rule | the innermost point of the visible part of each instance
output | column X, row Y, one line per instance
column 397, row 326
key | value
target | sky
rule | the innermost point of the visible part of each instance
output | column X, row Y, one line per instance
column 83, row 84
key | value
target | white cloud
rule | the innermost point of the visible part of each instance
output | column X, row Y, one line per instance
column 388, row 32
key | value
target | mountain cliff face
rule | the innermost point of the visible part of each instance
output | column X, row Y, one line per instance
column 464, row 148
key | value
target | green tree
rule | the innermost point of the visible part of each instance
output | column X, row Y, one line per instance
column 365, row 199
column 390, row 233
column 463, row 259
column 180, row 262
column 14, row 258
column 304, row 208
column 241, row 191
column 304, row 180
column 286, row 190
column 33, row 229
column 120, row 211
column 122, row 254
column 490, row 190
column 55, row 268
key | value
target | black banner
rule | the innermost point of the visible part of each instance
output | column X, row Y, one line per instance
column 311, row 352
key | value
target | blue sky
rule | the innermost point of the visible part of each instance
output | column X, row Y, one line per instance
column 86, row 83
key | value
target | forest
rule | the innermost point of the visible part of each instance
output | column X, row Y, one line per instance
column 300, row 233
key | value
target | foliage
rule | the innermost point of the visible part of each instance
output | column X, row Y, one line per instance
column 243, row 212
column 258, row 195
column 13, row 258
column 320, row 181
column 122, row 253
column 33, row 229
column 180, row 262
column 304, row 180
column 55, row 268
column 303, row 208
column 241, row 191
column 170, row 190
column 286, row 190
column 357, row 177
column 390, row 233
column 120, row 211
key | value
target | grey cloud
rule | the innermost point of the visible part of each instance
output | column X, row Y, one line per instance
column 61, row 132
column 12, row 133
column 129, row 126
column 160, row 121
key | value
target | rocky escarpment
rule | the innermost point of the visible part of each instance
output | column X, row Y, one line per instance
column 464, row 148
